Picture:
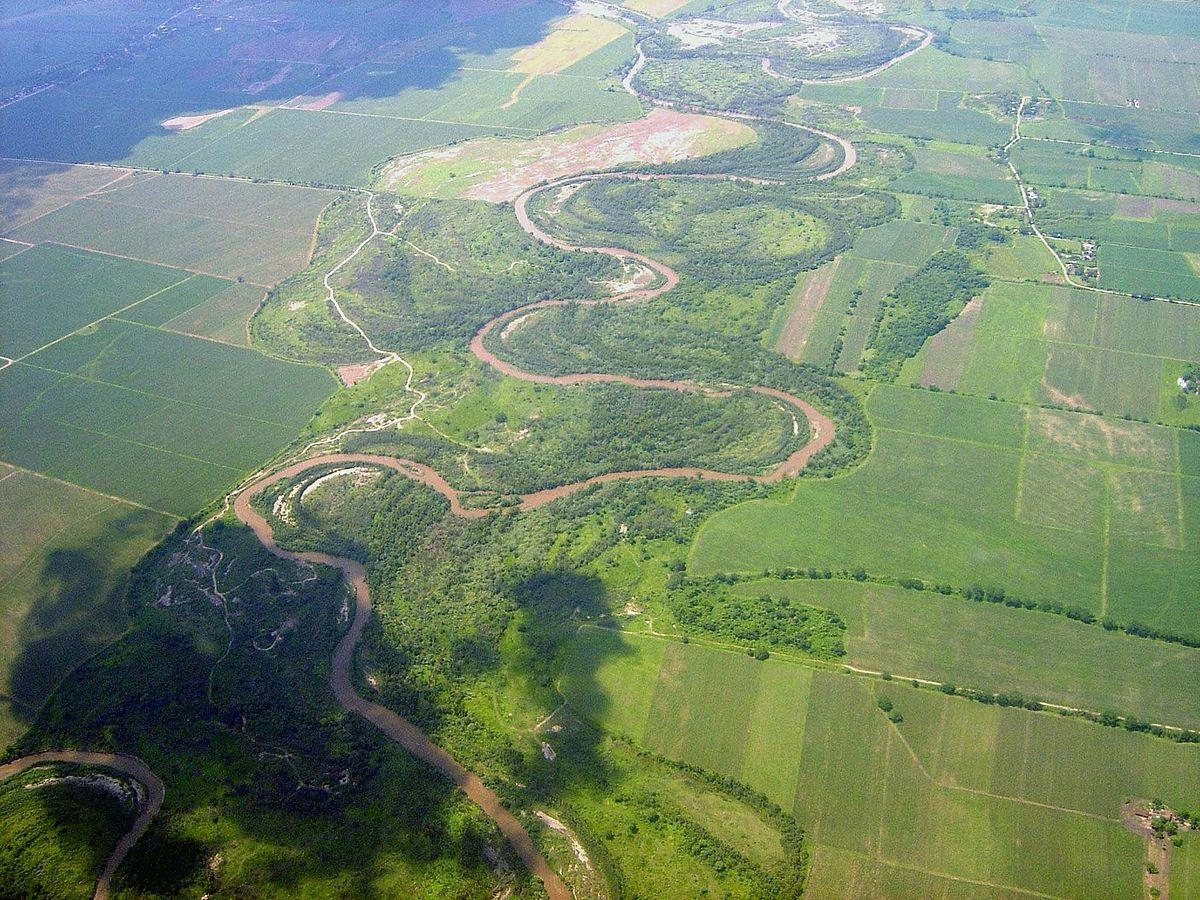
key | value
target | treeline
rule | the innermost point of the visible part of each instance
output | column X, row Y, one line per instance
column 709, row 607
column 977, row 594
column 787, row 881
column 919, row 307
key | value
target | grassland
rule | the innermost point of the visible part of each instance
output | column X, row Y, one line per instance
column 56, row 837
column 969, row 491
column 952, row 792
column 1056, row 345
column 499, row 170
column 62, row 580
column 255, row 232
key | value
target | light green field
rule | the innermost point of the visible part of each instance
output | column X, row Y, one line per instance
column 62, row 577
column 961, row 173
column 500, row 169
column 957, row 791
column 1185, row 868
column 943, row 497
column 995, row 648
column 1046, row 344
column 258, row 232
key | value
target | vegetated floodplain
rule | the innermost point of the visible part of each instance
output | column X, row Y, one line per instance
column 973, row 492
column 499, row 170
column 922, row 798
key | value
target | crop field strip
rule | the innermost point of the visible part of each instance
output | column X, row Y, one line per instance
column 952, row 467
column 828, row 727
column 107, row 403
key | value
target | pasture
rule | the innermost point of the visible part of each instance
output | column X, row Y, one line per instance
column 966, row 491
column 62, row 579
column 957, row 790
column 259, row 233
column 1056, row 345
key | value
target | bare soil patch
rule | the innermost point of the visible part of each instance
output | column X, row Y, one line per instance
column 501, row 170
column 316, row 104
column 353, row 374
column 946, row 355
column 1132, row 207
column 798, row 328
column 187, row 123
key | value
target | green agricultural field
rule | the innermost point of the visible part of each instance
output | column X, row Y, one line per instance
column 50, row 291
column 1056, row 345
column 992, row 647
column 34, row 189
column 165, row 420
column 1110, row 170
column 1139, row 270
column 959, row 174
column 944, row 497
column 62, row 580
column 129, row 409
column 256, row 232
column 203, row 307
column 953, row 791
column 1185, row 868
column 880, row 258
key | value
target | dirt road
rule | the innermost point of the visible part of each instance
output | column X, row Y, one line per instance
column 126, row 765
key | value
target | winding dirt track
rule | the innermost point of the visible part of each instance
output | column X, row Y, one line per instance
column 126, row 765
